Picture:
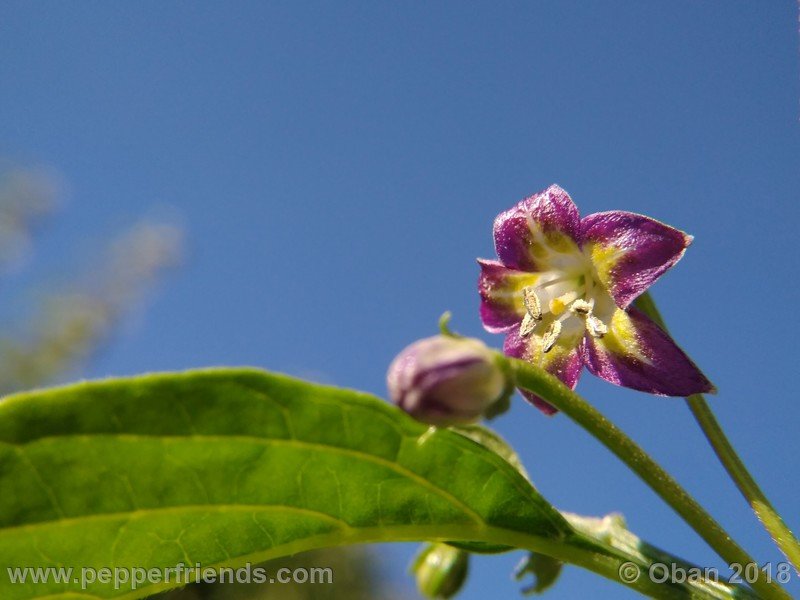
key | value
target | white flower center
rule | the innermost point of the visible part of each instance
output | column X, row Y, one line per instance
column 567, row 300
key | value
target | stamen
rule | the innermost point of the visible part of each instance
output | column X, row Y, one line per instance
column 532, row 303
column 582, row 307
column 528, row 325
column 551, row 336
column 595, row 327
column 554, row 281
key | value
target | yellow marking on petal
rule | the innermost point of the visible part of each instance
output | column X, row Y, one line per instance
column 513, row 292
column 604, row 258
column 623, row 327
column 538, row 251
column 510, row 288
column 544, row 244
column 559, row 242
column 621, row 338
column 558, row 353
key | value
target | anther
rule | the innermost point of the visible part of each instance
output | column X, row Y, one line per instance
column 582, row 307
column 595, row 327
column 528, row 325
column 551, row 336
column 532, row 303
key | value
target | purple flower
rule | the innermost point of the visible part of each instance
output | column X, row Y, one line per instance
column 562, row 293
column 445, row 380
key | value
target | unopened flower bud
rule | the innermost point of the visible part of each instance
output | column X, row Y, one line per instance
column 445, row 380
column 440, row 570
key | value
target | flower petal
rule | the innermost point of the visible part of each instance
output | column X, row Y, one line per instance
column 565, row 360
column 535, row 234
column 630, row 251
column 501, row 295
column 636, row 353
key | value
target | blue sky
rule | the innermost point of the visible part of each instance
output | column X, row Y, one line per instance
column 337, row 166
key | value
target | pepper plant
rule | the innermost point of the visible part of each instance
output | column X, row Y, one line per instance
column 193, row 472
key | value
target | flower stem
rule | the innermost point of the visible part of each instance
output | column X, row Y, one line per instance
column 547, row 386
column 766, row 513
column 758, row 501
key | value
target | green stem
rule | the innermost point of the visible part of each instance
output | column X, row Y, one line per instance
column 611, row 534
column 765, row 511
column 547, row 386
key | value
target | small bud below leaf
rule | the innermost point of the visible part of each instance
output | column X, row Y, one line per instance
column 440, row 570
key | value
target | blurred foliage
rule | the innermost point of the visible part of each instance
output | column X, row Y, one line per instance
column 26, row 196
column 73, row 322
column 70, row 323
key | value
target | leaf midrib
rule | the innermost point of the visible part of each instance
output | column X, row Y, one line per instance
column 410, row 533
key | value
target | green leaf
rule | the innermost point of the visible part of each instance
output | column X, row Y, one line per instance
column 229, row 466
column 494, row 442
column 224, row 466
